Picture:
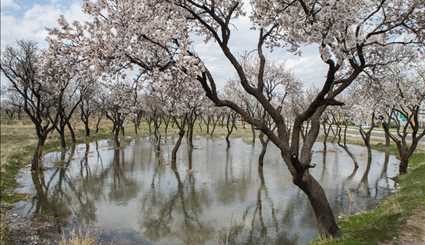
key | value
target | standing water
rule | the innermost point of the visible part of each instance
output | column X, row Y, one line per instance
column 132, row 196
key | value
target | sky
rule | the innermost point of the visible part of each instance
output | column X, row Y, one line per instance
column 28, row 19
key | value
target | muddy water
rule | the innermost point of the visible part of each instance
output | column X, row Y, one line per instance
column 132, row 196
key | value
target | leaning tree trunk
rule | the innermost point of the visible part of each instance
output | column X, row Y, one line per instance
column 322, row 210
column 326, row 131
column 214, row 125
column 98, row 123
column 176, row 148
column 72, row 133
column 344, row 145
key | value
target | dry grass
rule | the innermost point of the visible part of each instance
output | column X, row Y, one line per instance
column 79, row 238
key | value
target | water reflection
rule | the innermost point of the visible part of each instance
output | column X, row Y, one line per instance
column 213, row 196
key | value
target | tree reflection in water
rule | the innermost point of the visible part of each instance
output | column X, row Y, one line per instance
column 133, row 194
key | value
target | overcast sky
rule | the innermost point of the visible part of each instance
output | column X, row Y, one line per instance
column 28, row 19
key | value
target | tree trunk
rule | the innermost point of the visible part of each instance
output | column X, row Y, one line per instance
column 38, row 153
column 208, row 121
column 150, row 126
column 404, row 163
column 326, row 135
column 200, row 126
column 136, row 128
column 176, row 148
column 72, row 133
column 213, row 128
column 253, row 134
column 98, row 123
column 116, row 132
column 189, row 135
column 166, row 127
column 87, row 128
column 322, row 210
column 190, row 150
column 387, row 140
column 229, row 126
column 62, row 138
column 264, row 143
column 157, row 134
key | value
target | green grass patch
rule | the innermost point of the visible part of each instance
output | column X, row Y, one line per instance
column 384, row 222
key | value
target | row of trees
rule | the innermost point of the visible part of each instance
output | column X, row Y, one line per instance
column 362, row 43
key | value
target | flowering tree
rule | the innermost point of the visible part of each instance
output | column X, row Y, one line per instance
column 182, row 102
column 88, row 108
column 12, row 104
column 210, row 117
column 117, row 101
column 353, row 38
column 404, row 93
column 59, row 76
column 22, row 66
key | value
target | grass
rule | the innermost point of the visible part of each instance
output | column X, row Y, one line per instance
column 385, row 221
column 79, row 238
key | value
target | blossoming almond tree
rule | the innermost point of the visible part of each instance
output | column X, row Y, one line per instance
column 404, row 93
column 353, row 38
column 22, row 66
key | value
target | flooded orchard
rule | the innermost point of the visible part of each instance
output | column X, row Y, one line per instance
column 132, row 195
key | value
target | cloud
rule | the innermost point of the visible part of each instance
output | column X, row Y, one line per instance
column 31, row 24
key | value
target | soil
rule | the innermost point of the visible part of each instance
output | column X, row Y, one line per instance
column 413, row 231
column 32, row 231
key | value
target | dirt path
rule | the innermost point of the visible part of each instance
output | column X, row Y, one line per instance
column 413, row 231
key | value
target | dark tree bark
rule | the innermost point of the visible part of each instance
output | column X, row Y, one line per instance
column 117, row 119
column 264, row 142
column 253, row 134
column 166, row 123
column 326, row 131
column 181, row 125
column 156, row 131
column 366, row 134
column 215, row 120
column 190, row 126
column 85, row 114
column 342, row 142
column 71, row 132
column 19, row 65
column 230, row 125
column 409, row 128
column 99, row 119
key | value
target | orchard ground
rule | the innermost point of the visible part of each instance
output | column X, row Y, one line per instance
column 399, row 219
